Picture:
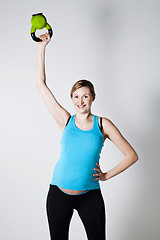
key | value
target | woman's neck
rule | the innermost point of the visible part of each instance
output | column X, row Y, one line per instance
column 83, row 117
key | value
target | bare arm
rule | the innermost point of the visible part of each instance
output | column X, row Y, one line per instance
column 112, row 132
column 57, row 111
column 116, row 137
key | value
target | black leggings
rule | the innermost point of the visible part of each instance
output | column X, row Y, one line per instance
column 89, row 205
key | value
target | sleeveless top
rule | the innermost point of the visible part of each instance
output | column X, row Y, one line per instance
column 80, row 151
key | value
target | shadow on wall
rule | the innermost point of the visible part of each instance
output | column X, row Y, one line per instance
column 145, row 219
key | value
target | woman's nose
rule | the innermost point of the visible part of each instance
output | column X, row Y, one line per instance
column 81, row 100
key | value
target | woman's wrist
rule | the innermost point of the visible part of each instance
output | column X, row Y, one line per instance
column 41, row 48
column 107, row 176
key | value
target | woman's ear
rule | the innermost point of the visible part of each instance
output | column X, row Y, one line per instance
column 93, row 98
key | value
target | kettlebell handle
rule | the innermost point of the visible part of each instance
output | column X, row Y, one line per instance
column 37, row 39
column 39, row 22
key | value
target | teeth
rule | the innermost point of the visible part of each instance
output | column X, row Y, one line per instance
column 81, row 106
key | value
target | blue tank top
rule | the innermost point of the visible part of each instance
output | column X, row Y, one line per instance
column 80, row 151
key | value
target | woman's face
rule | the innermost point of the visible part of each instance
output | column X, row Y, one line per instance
column 82, row 99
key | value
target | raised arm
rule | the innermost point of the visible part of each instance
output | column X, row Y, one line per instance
column 57, row 111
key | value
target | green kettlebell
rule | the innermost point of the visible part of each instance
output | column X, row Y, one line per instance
column 39, row 21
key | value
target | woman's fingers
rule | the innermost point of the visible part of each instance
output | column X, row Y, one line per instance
column 45, row 37
column 100, row 175
column 97, row 169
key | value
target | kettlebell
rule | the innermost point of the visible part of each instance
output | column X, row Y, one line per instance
column 39, row 21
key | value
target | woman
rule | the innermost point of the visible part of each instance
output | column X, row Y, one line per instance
column 75, row 182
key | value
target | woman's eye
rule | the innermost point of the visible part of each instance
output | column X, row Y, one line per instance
column 77, row 96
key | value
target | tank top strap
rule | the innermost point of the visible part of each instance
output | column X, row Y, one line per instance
column 101, row 124
column 97, row 123
column 95, row 118
column 68, row 119
column 94, row 122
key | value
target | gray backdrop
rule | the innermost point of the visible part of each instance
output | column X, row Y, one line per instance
column 115, row 45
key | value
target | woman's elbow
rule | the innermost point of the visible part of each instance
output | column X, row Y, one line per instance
column 135, row 157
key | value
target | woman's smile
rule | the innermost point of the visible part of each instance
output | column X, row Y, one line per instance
column 81, row 106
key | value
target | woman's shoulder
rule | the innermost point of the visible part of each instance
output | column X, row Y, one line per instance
column 104, row 119
column 106, row 124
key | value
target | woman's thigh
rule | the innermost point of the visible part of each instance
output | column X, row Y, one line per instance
column 59, row 213
column 91, row 209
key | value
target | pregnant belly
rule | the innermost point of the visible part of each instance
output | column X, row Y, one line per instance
column 71, row 191
column 76, row 179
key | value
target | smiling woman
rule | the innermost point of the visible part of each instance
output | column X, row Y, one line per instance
column 82, row 96
column 76, row 176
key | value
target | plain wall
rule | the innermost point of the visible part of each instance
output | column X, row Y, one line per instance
column 115, row 45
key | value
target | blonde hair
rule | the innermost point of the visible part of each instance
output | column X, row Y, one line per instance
column 83, row 83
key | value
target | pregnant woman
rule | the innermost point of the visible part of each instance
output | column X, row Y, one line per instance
column 76, row 176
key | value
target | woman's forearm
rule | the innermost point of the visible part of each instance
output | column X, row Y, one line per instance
column 40, row 66
column 123, row 165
